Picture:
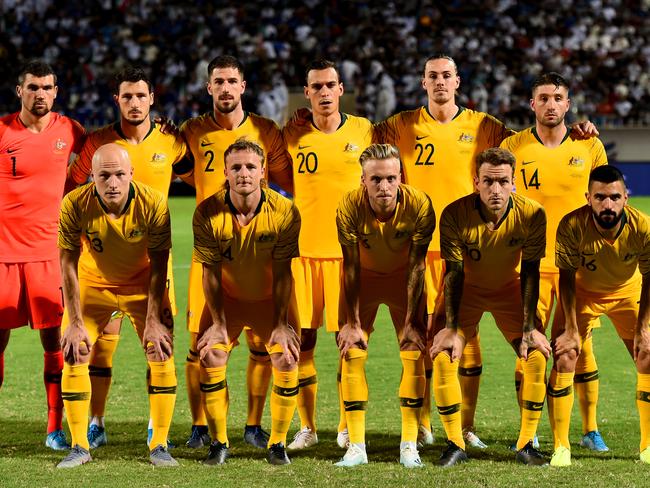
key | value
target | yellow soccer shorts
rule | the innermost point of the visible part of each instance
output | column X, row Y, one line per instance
column 390, row 290
column 98, row 304
column 623, row 312
column 504, row 304
column 258, row 316
column 434, row 277
column 317, row 285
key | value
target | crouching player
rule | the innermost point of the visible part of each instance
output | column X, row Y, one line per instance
column 384, row 229
column 245, row 237
column 114, row 241
column 484, row 238
column 603, row 252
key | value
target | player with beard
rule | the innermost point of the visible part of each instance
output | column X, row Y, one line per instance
column 553, row 170
column 156, row 157
column 208, row 136
column 35, row 147
column 603, row 253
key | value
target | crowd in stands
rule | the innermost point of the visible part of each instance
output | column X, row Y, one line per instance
column 500, row 46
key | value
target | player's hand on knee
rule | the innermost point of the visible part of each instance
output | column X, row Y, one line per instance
column 215, row 334
column 567, row 343
column 534, row 339
column 413, row 338
column 447, row 340
column 642, row 345
column 75, row 344
column 286, row 337
column 349, row 337
column 157, row 341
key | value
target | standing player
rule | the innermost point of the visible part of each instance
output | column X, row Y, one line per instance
column 325, row 154
column 156, row 157
column 438, row 144
column 384, row 228
column 245, row 237
column 35, row 147
column 208, row 136
column 484, row 239
column 603, row 252
column 554, row 169
column 124, row 230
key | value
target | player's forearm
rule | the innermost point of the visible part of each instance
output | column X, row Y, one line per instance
column 568, row 299
column 453, row 282
column 644, row 305
column 69, row 265
column 351, row 283
column 281, row 292
column 157, row 280
column 213, row 293
column 415, row 281
column 529, row 278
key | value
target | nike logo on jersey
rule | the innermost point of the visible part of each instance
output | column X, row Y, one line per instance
column 419, row 138
column 300, row 148
column 206, row 143
column 9, row 151
column 524, row 163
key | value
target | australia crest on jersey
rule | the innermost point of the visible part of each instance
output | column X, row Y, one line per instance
column 158, row 158
column 59, row 146
column 465, row 137
column 576, row 162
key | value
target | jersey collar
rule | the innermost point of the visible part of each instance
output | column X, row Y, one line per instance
column 533, row 130
column 234, row 211
column 128, row 200
column 344, row 118
column 461, row 109
column 477, row 206
column 211, row 114
column 117, row 127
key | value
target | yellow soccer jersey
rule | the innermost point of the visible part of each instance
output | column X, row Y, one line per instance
column 208, row 141
column 491, row 257
column 384, row 246
column 154, row 159
column 604, row 267
column 439, row 158
column 325, row 167
column 246, row 253
column 555, row 177
column 115, row 251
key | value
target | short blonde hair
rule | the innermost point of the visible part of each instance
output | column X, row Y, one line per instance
column 379, row 152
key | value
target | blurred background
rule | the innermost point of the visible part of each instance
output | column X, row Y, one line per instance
column 500, row 46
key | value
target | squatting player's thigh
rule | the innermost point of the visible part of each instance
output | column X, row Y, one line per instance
column 472, row 306
column 133, row 302
column 97, row 307
column 43, row 293
column 195, row 297
column 549, row 284
column 433, row 281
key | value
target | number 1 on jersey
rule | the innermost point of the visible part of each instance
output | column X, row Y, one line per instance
column 533, row 181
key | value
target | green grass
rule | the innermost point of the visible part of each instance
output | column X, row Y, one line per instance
column 24, row 461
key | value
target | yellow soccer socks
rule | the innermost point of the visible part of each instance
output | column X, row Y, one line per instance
column 533, row 392
column 469, row 372
column 308, row 389
column 214, row 391
column 101, row 372
column 354, row 389
column 560, row 404
column 411, row 389
column 162, row 398
column 283, row 404
column 75, row 390
column 446, row 389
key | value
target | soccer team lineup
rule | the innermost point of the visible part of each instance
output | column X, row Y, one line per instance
column 440, row 214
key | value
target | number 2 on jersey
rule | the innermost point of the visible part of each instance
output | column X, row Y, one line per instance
column 426, row 151
column 533, row 181
column 208, row 166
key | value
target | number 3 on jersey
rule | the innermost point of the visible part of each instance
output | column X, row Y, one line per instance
column 307, row 163
column 533, row 181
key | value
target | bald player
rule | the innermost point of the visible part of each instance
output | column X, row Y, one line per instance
column 114, row 241
column 157, row 157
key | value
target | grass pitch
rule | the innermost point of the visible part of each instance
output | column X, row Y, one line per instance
column 25, row 461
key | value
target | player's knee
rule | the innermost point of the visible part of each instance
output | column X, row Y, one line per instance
column 83, row 356
column 214, row 358
column 566, row 363
column 282, row 363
